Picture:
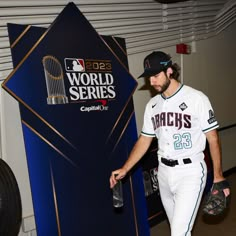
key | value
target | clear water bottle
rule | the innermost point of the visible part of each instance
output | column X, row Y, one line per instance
column 147, row 183
column 118, row 195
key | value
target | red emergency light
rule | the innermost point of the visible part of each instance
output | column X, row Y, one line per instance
column 183, row 48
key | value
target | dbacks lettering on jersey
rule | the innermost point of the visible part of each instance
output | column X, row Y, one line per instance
column 173, row 119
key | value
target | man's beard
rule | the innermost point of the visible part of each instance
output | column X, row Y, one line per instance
column 164, row 87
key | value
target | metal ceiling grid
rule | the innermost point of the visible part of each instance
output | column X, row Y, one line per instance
column 145, row 24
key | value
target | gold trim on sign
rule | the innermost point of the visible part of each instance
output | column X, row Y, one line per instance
column 128, row 100
column 134, row 209
column 20, row 36
column 123, row 131
column 118, row 59
column 119, row 46
column 55, row 201
column 43, row 120
column 131, row 95
column 118, row 119
column 24, row 58
column 49, row 143
column 155, row 215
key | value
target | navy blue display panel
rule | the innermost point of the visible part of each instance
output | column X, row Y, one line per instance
column 75, row 138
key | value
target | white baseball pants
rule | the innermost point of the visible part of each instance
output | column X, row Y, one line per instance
column 181, row 189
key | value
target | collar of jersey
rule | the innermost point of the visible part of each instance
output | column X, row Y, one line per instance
column 165, row 98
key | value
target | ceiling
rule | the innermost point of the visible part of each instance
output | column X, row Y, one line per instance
column 145, row 24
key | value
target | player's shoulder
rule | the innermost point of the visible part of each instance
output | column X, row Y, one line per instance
column 194, row 92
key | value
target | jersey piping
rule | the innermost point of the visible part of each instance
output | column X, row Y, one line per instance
column 211, row 128
column 198, row 198
column 181, row 86
column 146, row 134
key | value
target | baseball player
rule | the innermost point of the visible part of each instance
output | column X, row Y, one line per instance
column 182, row 119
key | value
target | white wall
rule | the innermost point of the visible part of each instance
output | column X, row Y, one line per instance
column 210, row 69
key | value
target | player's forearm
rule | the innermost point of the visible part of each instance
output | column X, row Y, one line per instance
column 139, row 149
column 215, row 150
column 133, row 159
column 217, row 161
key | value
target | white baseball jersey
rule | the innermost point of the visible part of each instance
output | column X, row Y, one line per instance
column 179, row 123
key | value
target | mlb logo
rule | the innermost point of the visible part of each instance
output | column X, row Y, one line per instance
column 74, row 65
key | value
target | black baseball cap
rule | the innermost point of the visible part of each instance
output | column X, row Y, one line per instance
column 155, row 62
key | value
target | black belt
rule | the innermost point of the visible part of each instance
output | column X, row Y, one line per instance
column 172, row 163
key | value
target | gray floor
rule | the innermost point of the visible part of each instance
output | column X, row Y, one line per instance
column 214, row 226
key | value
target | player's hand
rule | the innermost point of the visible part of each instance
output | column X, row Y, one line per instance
column 117, row 175
column 226, row 190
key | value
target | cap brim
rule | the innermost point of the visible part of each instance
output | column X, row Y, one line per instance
column 149, row 73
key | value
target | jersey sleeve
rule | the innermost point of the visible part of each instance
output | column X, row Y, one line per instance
column 206, row 114
column 147, row 129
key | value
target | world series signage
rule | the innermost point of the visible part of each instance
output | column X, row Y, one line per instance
column 75, row 97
